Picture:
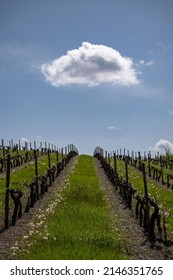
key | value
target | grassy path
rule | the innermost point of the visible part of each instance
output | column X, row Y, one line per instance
column 80, row 226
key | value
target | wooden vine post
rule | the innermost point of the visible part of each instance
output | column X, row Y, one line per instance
column 127, row 177
column 48, row 154
column 146, row 199
column 161, row 167
column 34, row 145
column 57, row 156
column 49, row 166
column 109, row 160
column 7, row 192
column 36, row 173
column 3, row 151
column 115, row 164
column 106, row 155
column 62, row 153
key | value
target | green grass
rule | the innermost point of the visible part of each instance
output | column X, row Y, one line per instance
column 80, row 227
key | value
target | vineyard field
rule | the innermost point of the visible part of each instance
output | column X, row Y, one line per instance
column 71, row 206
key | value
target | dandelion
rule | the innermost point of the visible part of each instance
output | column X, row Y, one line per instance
column 41, row 216
column 45, row 237
column 25, row 237
column 13, row 248
column 31, row 224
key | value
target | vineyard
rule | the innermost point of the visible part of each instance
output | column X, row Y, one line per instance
column 57, row 204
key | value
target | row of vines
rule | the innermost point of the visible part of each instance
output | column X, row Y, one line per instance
column 148, row 196
column 26, row 176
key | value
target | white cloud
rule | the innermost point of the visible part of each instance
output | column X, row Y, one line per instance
column 142, row 62
column 162, row 145
column 112, row 128
column 91, row 65
column 165, row 45
column 148, row 63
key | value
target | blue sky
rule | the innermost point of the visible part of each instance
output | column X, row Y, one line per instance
column 95, row 72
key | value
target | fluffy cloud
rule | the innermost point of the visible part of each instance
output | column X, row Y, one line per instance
column 163, row 145
column 91, row 65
